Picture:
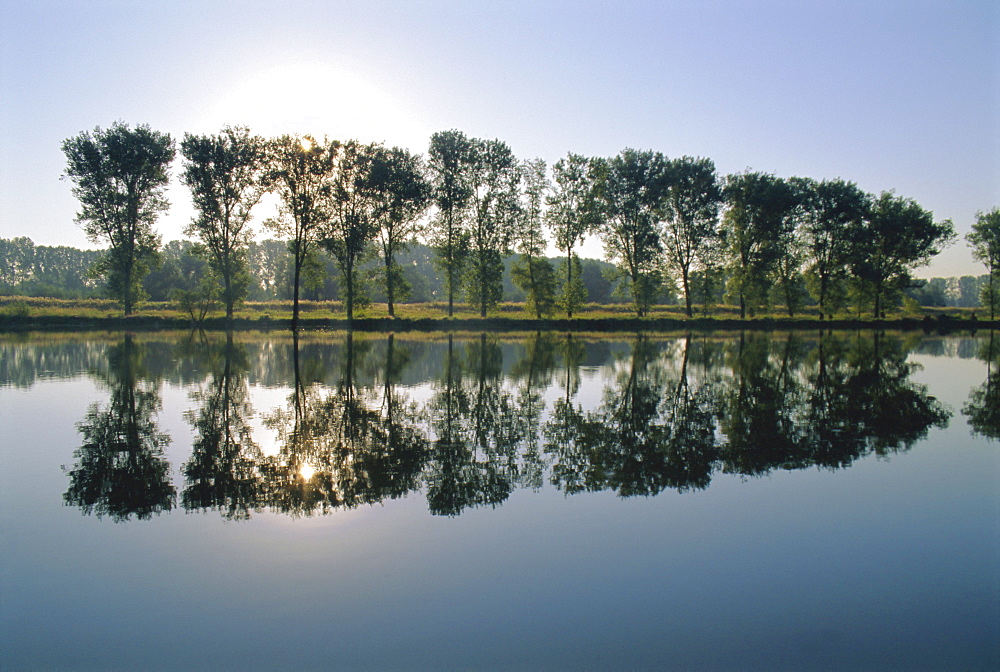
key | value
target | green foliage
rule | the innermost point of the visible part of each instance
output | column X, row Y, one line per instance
column 119, row 177
column 829, row 212
column 196, row 302
column 985, row 242
column 690, row 215
column 402, row 194
column 449, row 156
column 536, row 276
column 298, row 171
column 755, row 234
column 572, row 294
column 224, row 173
column 630, row 189
column 896, row 236
column 494, row 177
column 17, row 309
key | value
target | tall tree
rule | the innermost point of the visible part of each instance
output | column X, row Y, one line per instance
column 120, row 175
column 495, row 176
column 570, row 217
column 896, row 236
column 449, row 156
column 758, row 216
column 828, row 212
column 533, row 272
column 630, row 194
column 352, row 223
column 299, row 171
column 985, row 242
column 224, row 173
column 690, row 217
column 402, row 195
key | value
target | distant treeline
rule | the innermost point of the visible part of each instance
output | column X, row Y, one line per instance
column 63, row 272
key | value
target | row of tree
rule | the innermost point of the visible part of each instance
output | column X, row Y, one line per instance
column 672, row 415
column 61, row 272
column 474, row 202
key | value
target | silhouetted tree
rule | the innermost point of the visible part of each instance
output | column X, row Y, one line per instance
column 120, row 175
column 690, row 218
column 985, row 242
column 353, row 219
column 896, row 236
column 630, row 191
column 299, row 171
column 571, row 216
column 224, row 175
column 757, row 219
column 829, row 213
column 402, row 194
column 533, row 273
column 448, row 159
column 494, row 176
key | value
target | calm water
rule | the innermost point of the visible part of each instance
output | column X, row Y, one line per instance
column 482, row 501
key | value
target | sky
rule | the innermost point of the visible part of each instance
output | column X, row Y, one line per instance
column 892, row 95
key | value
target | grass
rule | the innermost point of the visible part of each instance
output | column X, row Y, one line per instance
column 19, row 310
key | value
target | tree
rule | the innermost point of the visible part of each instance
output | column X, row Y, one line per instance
column 985, row 242
column 120, row 175
column 630, row 192
column 828, row 212
column 494, row 177
column 352, row 223
column 121, row 469
column 758, row 217
column 896, row 236
column 690, row 217
column 402, row 195
column 299, row 171
column 533, row 273
column 570, row 218
column 449, row 155
column 224, row 173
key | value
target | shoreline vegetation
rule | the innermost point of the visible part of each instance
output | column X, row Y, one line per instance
column 19, row 313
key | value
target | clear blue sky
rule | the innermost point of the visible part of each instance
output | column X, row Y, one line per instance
column 892, row 95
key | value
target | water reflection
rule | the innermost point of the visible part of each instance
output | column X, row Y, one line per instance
column 983, row 407
column 120, row 470
column 466, row 420
column 224, row 469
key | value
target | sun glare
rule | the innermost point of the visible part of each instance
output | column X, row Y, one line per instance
column 306, row 471
column 319, row 99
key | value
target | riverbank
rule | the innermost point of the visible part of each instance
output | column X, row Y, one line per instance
column 19, row 314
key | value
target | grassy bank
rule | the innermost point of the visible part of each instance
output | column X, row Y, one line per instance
column 17, row 313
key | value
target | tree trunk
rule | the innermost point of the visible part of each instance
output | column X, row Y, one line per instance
column 295, row 292
column 569, row 282
column 451, row 288
column 350, row 291
column 687, row 292
column 388, row 286
column 534, row 288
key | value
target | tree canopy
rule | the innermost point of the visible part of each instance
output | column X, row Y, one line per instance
column 119, row 176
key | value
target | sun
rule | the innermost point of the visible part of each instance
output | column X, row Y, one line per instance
column 320, row 99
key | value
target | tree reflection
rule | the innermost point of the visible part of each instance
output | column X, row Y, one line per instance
column 120, row 470
column 224, row 469
column 983, row 407
column 669, row 414
column 652, row 431
column 475, row 457
column 336, row 450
